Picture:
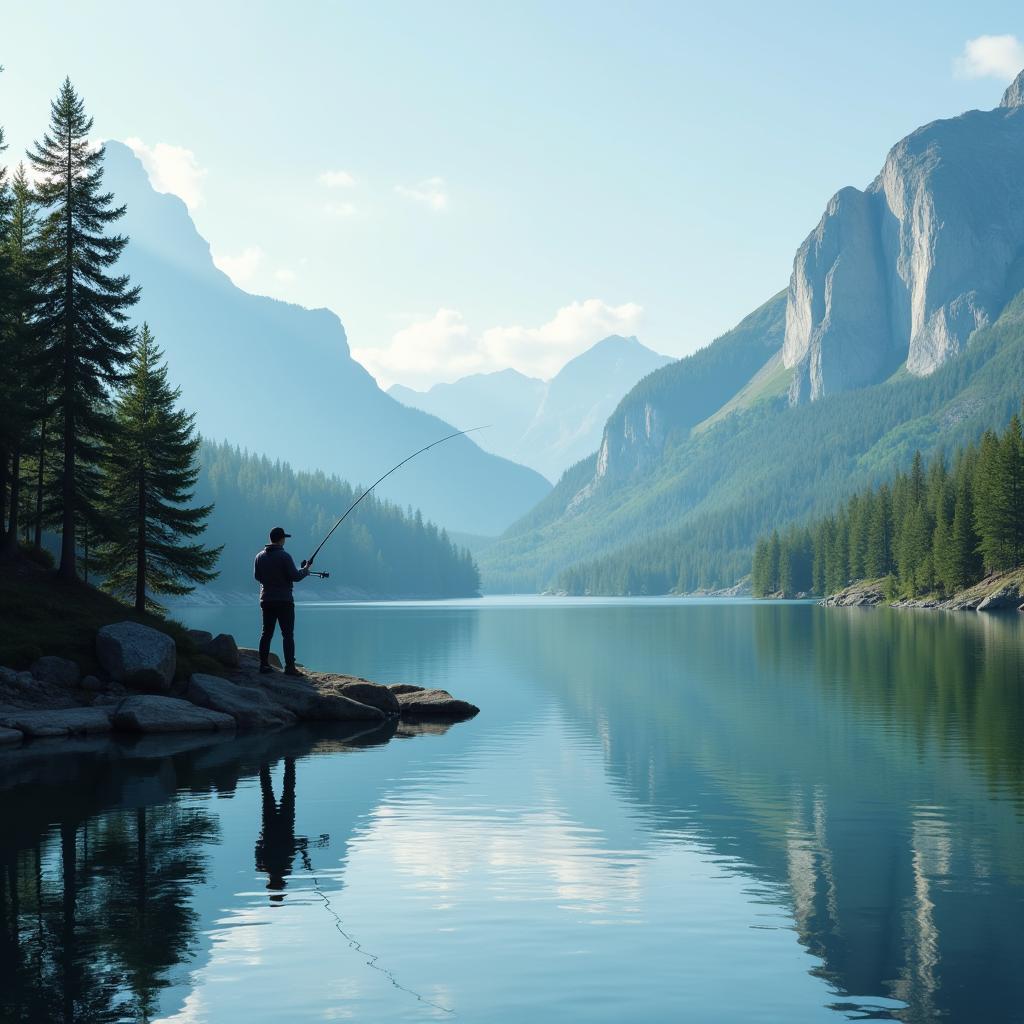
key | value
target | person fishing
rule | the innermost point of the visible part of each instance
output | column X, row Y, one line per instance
column 276, row 573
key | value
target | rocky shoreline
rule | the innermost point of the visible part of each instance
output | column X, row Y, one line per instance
column 137, row 693
column 997, row 592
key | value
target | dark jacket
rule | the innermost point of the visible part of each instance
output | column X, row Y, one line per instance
column 275, row 570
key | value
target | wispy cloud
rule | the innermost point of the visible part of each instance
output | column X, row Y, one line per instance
column 171, row 169
column 337, row 179
column 243, row 267
column 999, row 57
column 340, row 209
column 430, row 191
column 442, row 347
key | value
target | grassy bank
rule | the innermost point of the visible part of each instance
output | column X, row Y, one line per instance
column 40, row 615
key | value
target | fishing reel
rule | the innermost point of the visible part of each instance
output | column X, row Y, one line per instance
column 307, row 562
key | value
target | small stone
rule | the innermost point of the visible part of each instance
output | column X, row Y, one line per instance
column 61, row 671
column 399, row 688
column 200, row 636
column 93, row 684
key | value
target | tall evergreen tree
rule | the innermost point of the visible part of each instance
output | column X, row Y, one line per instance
column 19, row 342
column 83, row 314
column 151, row 466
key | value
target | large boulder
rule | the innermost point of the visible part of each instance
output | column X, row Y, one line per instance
column 306, row 701
column 223, row 648
column 361, row 690
column 152, row 713
column 60, row 671
column 138, row 655
column 1003, row 597
column 249, row 657
column 435, row 704
column 249, row 706
column 63, row 722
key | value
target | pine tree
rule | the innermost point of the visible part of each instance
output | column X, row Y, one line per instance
column 962, row 565
column 83, row 312
column 19, row 339
column 878, row 554
column 151, row 467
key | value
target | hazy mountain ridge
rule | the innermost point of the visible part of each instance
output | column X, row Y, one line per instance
column 786, row 413
column 545, row 425
column 279, row 378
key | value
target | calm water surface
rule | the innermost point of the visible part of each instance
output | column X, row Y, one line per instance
column 666, row 811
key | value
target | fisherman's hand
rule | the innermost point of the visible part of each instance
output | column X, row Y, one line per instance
column 303, row 564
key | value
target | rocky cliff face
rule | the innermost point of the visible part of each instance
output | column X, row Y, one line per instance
column 909, row 268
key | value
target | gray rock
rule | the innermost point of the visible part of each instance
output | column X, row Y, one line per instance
column 201, row 637
column 249, row 706
column 362, row 690
column 64, row 722
column 436, row 704
column 224, row 649
column 93, row 684
column 136, row 654
column 909, row 268
column 10, row 737
column 400, row 688
column 309, row 702
column 251, row 654
column 153, row 713
column 60, row 671
column 1003, row 597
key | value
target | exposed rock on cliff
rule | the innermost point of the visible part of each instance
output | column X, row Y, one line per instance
column 906, row 270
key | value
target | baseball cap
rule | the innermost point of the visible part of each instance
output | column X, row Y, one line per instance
column 277, row 533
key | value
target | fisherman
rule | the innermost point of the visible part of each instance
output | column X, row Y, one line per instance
column 275, row 571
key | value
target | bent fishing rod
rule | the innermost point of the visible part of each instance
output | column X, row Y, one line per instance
column 309, row 561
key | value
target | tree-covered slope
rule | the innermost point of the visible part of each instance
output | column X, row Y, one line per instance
column 380, row 551
column 691, row 518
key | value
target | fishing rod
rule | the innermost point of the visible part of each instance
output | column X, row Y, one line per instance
column 309, row 561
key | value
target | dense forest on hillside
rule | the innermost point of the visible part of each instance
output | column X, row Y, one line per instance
column 380, row 550
column 699, row 512
column 934, row 530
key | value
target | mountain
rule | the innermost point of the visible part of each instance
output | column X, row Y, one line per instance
column 279, row 379
column 902, row 328
column 546, row 425
column 506, row 400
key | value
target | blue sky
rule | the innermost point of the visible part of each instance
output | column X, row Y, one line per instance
column 476, row 185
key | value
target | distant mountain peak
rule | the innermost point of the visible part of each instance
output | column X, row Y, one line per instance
column 1014, row 95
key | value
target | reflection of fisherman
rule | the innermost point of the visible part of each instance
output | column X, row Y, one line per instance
column 277, row 844
column 275, row 571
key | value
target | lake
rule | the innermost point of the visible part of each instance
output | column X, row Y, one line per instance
column 667, row 810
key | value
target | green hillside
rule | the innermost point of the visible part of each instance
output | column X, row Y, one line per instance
column 765, row 465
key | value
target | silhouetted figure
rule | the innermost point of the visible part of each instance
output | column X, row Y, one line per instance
column 276, row 573
column 278, row 844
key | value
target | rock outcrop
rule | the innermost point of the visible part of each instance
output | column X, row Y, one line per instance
column 154, row 713
column 419, row 701
column 906, row 270
column 140, row 655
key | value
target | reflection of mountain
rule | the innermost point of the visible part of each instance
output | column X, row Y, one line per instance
column 852, row 759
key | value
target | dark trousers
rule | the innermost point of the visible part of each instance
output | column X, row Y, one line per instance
column 275, row 612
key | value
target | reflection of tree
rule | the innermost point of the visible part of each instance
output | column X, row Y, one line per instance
column 277, row 844
column 99, row 951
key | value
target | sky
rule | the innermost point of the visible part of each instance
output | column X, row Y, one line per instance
column 477, row 185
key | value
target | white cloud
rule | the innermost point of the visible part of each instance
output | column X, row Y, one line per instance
column 443, row 347
column 430, row 191
column 337, row 179
column 285, row 275
column 340, row 209
column 171, row 169
column 999, row 57
column 241, row 268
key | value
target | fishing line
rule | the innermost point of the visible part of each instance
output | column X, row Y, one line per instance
column 441, row 440
column 372, row 958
